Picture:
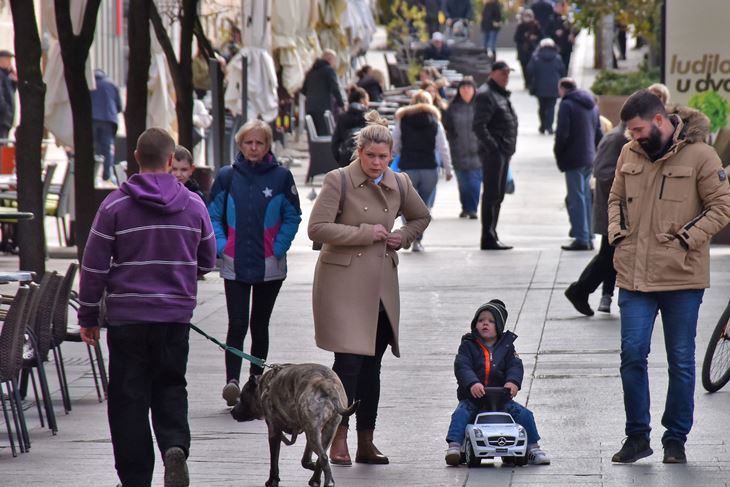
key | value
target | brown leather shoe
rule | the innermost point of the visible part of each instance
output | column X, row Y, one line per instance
column 339, row 454
column 367, row 452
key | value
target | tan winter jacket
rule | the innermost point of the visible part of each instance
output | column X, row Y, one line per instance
column 655, row 209
column 353, row 273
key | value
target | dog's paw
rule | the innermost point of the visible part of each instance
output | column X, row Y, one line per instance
column 314, row 483
column 273, row 482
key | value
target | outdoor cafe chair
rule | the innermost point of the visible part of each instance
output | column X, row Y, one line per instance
column 321, row 159
column 38, row 343
column 11, row 352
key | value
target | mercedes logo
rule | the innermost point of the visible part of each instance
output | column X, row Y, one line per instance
column 501, row 441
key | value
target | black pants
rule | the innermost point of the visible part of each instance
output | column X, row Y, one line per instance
column 147, row 364
column 238, row 297
column 599, row 270
column 546, row 111
column 494, row 178
column 360, row 374
column 320, row 123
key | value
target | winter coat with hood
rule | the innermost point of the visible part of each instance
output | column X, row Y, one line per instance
column 418, row 135
column 320, row 87
column 470, row 365
column 578, row 131
column 495, row 122
column 546, row 68
column 662, row 213
column 463, row 142
column 604, row 169
column 347, row 123
column 150, row 240
column 105, row 101
column 262, row 216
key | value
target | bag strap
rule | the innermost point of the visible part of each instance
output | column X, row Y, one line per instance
column 343, row 190
column 402, row 192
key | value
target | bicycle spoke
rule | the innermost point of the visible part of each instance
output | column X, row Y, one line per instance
column 720, row 360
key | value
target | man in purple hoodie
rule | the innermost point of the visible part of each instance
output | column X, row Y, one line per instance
column 150, row 240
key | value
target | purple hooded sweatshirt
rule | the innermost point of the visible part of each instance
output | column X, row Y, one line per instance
column 150, row 240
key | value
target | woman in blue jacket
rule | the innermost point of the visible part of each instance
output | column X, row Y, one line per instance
column 254, row 208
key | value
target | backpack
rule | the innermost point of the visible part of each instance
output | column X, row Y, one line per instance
column 348, row 146
column 343, row 190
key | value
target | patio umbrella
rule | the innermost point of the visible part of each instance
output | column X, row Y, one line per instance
column 160, row 91
column 359, row 25
column 293, row 40
column 57, row 104
column 330, row 31
column 262, row 98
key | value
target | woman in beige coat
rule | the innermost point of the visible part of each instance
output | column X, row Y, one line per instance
column 355, row 296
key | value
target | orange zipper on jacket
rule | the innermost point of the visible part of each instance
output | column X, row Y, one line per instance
column 487, row 362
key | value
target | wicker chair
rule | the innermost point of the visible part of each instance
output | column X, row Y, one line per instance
column 11, row 350
column 38, row 343
column 59, row 330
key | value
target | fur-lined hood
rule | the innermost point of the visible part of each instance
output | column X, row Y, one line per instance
column 696, row 124
column 417, row 108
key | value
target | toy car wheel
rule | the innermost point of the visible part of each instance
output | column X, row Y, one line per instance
column 471, row 459
column 520, row 461
column 509, row 461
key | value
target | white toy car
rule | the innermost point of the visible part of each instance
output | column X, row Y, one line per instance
column 495, row 434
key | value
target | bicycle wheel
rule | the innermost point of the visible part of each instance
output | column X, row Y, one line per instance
column 716, row 366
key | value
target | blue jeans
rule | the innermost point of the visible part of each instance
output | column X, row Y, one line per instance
column 490, row 40
column 424, row 182
column 104, row 133
column 470, row 185
column 466, row 411
column 579, row 203
column 679, row 317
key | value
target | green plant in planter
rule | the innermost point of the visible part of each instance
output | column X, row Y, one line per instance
column 714, row 105
column 623, row 83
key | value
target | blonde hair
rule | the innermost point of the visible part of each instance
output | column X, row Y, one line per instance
column 375, row 132
column 251, row 126
column 661, row 91
column 422, row 96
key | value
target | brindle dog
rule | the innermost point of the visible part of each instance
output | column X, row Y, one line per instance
column 296, row 398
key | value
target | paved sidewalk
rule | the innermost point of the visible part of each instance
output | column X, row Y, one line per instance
column 571, row 362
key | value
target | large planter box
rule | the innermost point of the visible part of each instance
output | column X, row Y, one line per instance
column 610, row 107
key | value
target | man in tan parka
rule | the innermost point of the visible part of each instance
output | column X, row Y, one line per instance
column 669, row 197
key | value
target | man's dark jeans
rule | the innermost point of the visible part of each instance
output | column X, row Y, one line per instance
column 599, row 270
column 679, row 311
column 147, row 363
column 104, row 133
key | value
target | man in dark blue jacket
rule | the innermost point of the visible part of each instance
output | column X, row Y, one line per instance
column 8, row 84
column 321, row 89
column 487, row 357
column 576, row 137
column 545, row 69
column 105, row 106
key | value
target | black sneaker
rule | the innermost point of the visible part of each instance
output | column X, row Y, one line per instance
column 674, row 452
column 635, row 448
column 578, row 300
column 176, row 468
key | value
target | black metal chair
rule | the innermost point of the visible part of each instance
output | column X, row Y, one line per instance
column 59, row 330
column 11, row 352
column 321, row 159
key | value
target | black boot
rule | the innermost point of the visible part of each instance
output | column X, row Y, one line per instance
column 490, row 216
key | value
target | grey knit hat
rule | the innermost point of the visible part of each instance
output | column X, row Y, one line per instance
column 498, row 310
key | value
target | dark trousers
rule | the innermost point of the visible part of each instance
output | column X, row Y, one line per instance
column 599, row 270
column 494, row 177
column 147, row 364
column 261, row 297
column 360, row 374
column 104, row 133
column 320, row 123
column 546, row 111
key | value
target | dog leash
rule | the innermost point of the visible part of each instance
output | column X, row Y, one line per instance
column 233, row 350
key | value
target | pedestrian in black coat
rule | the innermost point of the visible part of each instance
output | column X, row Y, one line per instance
column 546, row 68
column 8, row 85
column 495, row 125
column 527, row 36
column 320, row 89
column 348, row 125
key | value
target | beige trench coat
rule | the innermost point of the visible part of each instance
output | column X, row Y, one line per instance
column 354, row 273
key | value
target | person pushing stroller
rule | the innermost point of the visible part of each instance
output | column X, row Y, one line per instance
column 487, row 357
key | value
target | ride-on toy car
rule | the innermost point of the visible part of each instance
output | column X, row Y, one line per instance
column 494, row 433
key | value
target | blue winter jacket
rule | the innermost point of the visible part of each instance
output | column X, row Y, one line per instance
column 262, row 218
column 470, row 366
column 578, row 131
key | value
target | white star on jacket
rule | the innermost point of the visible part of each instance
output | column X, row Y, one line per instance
column 268, row 192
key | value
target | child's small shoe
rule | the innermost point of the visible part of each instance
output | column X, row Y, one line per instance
column 537, row 457
column 453, row 454
column 231, row 392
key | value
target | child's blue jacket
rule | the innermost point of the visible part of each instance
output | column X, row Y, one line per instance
column 470, row 365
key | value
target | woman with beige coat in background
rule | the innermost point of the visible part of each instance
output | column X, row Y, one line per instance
column 355, row 296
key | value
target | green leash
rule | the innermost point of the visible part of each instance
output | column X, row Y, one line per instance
column 233, row 350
